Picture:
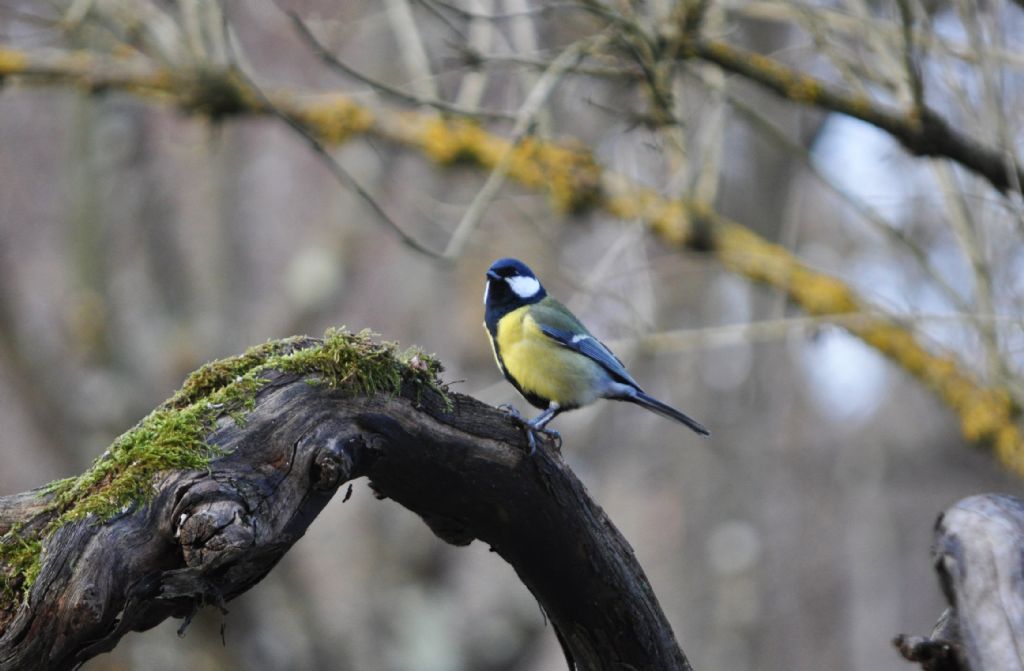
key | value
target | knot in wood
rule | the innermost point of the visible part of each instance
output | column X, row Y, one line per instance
column 334, row 462
column 216, row 533
column 87, row 608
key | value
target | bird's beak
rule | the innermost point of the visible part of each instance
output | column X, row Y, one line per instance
column 493, row 275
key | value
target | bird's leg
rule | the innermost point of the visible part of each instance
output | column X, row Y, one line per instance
column 517, row 417
column 535, row 425
column 538, row 424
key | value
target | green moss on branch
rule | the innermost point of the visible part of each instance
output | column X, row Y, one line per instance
column 173, row 436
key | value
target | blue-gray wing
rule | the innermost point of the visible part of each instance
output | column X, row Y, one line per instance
column 592, row 348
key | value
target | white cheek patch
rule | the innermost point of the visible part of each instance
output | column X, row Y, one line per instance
column 524, row 287
column 487, row 290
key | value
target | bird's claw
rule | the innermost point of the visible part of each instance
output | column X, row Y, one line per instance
column 531, row 430
column 556, row 438
column 531, row 437
column 512, row 411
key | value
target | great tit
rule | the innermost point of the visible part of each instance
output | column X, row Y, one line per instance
column 549, row 356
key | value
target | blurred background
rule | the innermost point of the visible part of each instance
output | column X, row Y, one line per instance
column 137, row 242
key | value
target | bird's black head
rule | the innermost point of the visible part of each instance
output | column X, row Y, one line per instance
column 510, row 285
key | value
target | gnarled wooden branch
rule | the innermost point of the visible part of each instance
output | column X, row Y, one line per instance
column 207, row 536
column 979, row 555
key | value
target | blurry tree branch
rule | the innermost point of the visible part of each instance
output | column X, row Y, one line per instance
column 978, row 543
column 205, row 535
column 896, row 235
column 384, row 88
column 922, row 131
column 573, row 180
column 849, row 25
column 524, row 120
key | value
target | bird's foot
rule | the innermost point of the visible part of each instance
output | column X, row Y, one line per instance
column 553, row 436
column 513, row 412
column 532, row 432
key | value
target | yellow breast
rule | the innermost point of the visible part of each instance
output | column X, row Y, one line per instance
column 543, row 367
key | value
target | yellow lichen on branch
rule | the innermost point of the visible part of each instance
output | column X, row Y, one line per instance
column 87, row 71
column 567, row 172
column 11, row 60
column 667, row 219
column 333, row 119
column 802, row 88
column 987, row 414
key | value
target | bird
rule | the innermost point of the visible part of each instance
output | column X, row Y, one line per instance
column 550, row 357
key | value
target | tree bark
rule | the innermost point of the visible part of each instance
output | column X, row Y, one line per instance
column 978, row 552
column 207, row 536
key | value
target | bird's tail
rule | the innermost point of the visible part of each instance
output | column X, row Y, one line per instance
column 653, row 404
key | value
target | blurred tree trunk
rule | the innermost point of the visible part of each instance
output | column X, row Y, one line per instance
column 978, row 549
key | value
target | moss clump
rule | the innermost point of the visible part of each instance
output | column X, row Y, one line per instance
column 20, row 562
column 219, row 374
column 358, row 362
column 173, row 437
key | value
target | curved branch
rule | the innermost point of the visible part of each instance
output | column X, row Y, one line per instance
column 207, row 535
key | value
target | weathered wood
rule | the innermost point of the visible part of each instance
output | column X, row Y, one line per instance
column 207, row 536
column 979, row 556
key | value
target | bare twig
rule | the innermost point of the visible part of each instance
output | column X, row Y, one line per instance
column 888, row 61
column 216, row 21
column 713, row 131
column 968, row 236
column 523, row 40
column 76, row 13
column 386, row 89
column 544, row 9
column 348, row 180
column 474, row 84
column 340, row 173
column 192, row 28
column 626, row 71
column 846, row 59
column 537, row 97
column 410, row 46
column 910, row 56
column 689, row 339
column 856, row 25
column 686, row 340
